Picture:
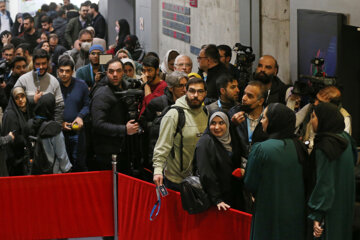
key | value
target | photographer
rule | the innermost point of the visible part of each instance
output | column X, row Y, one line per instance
column 91, row 73
column 109, row 122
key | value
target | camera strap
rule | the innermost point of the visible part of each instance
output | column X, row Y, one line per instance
column 156, row 205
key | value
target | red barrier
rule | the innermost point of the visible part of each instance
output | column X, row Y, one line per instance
column 56, row 206
column 136, row 199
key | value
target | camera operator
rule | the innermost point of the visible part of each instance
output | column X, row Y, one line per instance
column 109, row 122
column 7, row 56
column 266, row 72
column 225, row 58
column 91, row 73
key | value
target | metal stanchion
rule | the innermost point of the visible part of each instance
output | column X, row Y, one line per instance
column 115, row 197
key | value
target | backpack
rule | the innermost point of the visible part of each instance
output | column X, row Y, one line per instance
column 155, row 130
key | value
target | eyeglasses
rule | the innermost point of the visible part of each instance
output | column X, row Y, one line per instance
column 194, row 91
column 180, row 85
column 184, row 64
column 199, row 58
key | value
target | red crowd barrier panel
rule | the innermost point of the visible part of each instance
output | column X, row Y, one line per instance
column 56, row 206
column 136, row 199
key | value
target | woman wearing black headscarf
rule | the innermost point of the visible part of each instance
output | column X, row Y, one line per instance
column 274, row 175
column 17, row 113
column 216, row 160
column 18, row 27
column 123, row 29
column 333, row 198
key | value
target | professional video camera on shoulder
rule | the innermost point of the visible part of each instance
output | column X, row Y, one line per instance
column 244, row 60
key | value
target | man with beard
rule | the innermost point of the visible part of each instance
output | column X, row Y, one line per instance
column 97, row 21
column 18, row 67
column 47, row 24
column 153, row 85
column 225, row 58
column 31, row 36
column 81, row 55
column 170, row 159
column 228, row 90
column 6, row 22
column 183, row 63
column 246, row 117
column 56, row 50
column 266, row 72
column 91, row 73
column 39, row 82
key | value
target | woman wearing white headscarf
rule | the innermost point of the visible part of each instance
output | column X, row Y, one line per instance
column 129, row 68
column 215, row 161
column 167, row 66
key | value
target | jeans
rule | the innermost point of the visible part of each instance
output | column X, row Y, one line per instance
column 75, row 147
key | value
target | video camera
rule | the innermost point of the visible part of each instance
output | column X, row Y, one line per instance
column 244, row 60
column 3, row 70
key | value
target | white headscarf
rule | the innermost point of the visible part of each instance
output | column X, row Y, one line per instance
column 125, row 60
column 165, row 64
column 225, row 139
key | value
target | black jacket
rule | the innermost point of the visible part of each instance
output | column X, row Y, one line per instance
column 215, row 167
column 158, row 104
column 99, row 25
column 212, row 75
column 108, row 120
column 277, row 92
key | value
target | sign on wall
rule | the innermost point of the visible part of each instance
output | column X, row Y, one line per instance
column 176, row 21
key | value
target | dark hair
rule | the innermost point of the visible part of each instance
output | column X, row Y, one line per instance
column 28, row 16
column 226, row 49
column 17, row 41
column 52, row 6
column 7, row 47
column 86, row 3
column 85, row 31
column 195, row 81
column 46, row 19
column 263, row 92
column 154, row 54
column 151, row 61
column 53, row 35
column 40, row 53
column 17, row 59
column 124, row 31
column 113, row 60
column 44, row 8
column 95, row 7
column 66, row 61
column 60, row 12
column 23, row 46
column 212, row 52
column 129, row 64
column 223, row 81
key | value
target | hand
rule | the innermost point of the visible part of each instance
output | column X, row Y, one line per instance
column 317, row 229
column 12, row 136
column 37, row 96
column 158, row 179
column 77, row 45
column 132, row 127
column 66, row 126
column 97, row 76
column 79, row 122
column 144, row 78
column 222, row 206
column 3, row 84
column 238, row 117
column 6, row 39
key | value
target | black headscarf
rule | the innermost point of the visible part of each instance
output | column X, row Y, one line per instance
column 281, row 125
column 330, row 124
column 124, row 31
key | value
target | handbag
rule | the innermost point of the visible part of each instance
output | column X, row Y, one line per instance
column 193, row 197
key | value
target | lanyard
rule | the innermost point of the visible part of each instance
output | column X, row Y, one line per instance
column 219, row 103
column 91, row 73
column 250, row 133
column 156, row 205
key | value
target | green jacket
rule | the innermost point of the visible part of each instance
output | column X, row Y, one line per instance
column 72, row 30
column 195, row 125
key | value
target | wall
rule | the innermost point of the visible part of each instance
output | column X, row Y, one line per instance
column 348, row 7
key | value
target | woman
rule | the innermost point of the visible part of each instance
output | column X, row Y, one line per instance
column 274, row 175
column 167, row 66
column 17, row 113
column 215, row 160
column 46, row 46
column 18, row 27
column 123, row 53
column 332, row 200
column 44, row 126
column 129, row 68
column 123, row 29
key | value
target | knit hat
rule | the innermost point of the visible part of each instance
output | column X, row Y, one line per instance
column 96, row 47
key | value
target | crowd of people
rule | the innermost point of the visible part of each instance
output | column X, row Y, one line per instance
column 260, row 148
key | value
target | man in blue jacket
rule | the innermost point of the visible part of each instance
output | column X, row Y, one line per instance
column 5, row 20
column 76, row 98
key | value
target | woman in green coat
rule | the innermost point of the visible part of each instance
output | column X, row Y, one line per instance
column 332, row 200
column 274, row 175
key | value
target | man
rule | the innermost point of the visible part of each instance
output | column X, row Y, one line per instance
column 39, row 82
column 110, row 125
column 81, row 55
column 211, row 68
column 76, row 100
column 228, row 89
column 31, row 36
column 8, row 53
column 225, row 58
column 92, row 72
column 55, row 49
column 98, row 21
column 18, row 67
column 47, row 24
column 59, row 24
column 23, row 51
column 246, row 117
column 183, row 63
column 76, row 24
column 154, row 86
column 6, row 22
column 169, row 158
column 266, row 72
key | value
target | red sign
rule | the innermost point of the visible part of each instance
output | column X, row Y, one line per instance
column 194, row 3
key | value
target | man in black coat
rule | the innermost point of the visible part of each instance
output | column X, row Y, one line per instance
column 98, row 21
column 211, row 68
column 109, row 120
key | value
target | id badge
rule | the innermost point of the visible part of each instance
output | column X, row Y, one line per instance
column 163, row 191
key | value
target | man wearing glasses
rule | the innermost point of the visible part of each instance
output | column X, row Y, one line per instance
column 110, row 126
column 91, row 73
column 173, row 153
